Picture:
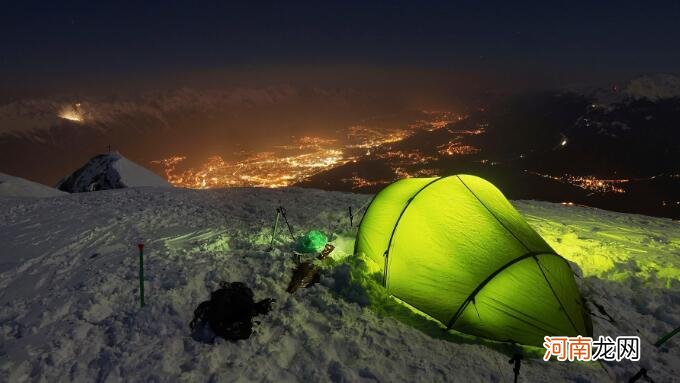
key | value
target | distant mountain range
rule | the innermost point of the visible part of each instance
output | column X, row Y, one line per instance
column 617, row 149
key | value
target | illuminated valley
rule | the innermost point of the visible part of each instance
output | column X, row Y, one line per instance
column 589, row 183
column 371, row 154
column 285, row 165
column 265, row 169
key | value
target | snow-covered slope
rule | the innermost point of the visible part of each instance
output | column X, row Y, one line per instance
column 68, row 292
column 109, row 171
column 11, row 186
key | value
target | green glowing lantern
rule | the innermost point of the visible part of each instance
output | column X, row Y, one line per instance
column 455, row 249
column 312, row 242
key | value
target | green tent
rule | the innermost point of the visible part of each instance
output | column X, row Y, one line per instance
column 454, row 248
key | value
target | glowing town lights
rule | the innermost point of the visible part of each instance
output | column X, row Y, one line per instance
column 286, row 165
column 266, row 169
column 403, row 173
column 370, row 138
column 438, row 119
column 454, row 148
column 406, row 158
column 359, row 183
column 596, row 185
column 480, row 130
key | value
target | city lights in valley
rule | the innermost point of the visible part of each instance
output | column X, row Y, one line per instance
column 288, row 164
column 266, row 169
column 454, row 148
column 590, row 183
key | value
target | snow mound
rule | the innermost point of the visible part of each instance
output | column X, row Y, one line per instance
column 11, row 186
column 654, row 87
column 110, row 171
column 70, row 310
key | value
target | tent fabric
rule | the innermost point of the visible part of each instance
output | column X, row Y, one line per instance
column 455, row 248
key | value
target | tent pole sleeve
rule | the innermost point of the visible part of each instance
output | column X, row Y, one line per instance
column 396, row 223
column 564, row 309
column 488, row 279
column 492, row 214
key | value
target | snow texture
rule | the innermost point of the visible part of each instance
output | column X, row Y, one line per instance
column 11, row 186
column 70, row 312
column 110, row 171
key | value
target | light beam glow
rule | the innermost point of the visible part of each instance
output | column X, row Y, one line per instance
column 72, row 113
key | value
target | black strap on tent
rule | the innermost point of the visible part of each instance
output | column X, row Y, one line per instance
column 517, row 360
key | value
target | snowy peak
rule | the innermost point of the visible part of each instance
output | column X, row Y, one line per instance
column 655, row 87
column 11, row 186
column 110, row 171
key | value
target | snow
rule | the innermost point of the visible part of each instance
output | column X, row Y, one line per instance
column 11, row 186
column 68, row 292
column 133, row 175
column 110, row 171
column 654, row 87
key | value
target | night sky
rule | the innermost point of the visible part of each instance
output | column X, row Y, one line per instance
column 50, row 47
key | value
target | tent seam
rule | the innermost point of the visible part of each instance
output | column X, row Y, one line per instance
column 495, row 273
column 566, row 313
column 396, row 224
column 486, row 281
column 492, row 214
